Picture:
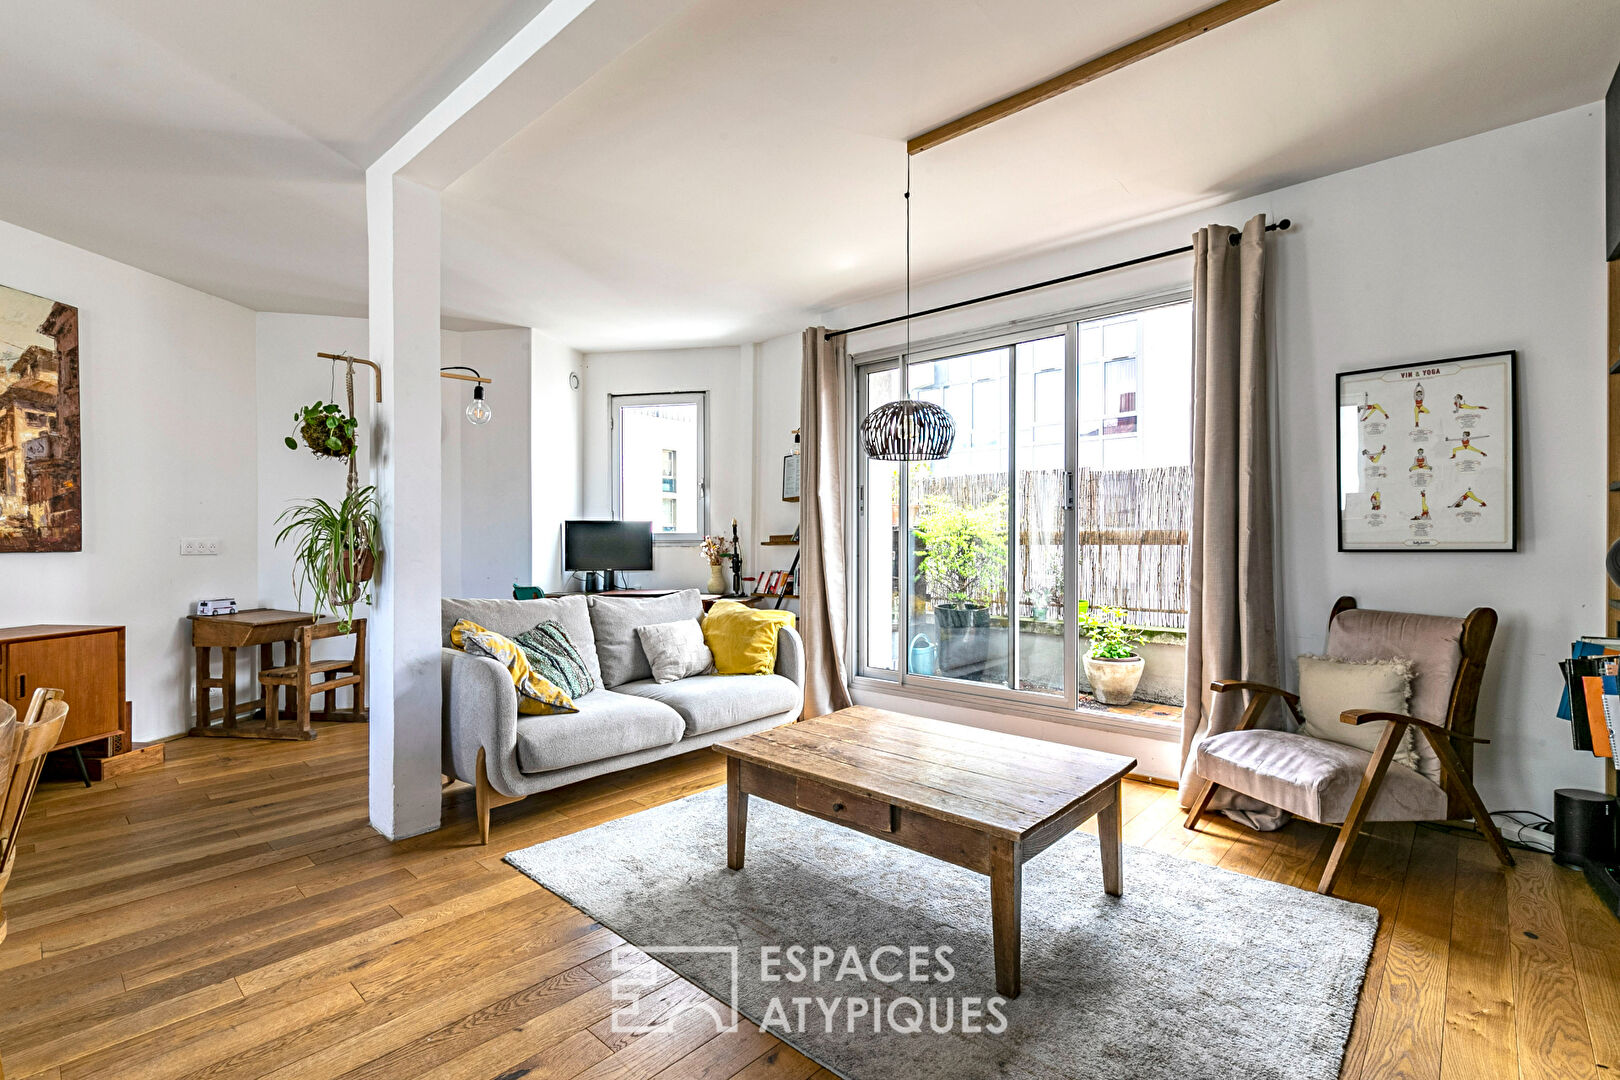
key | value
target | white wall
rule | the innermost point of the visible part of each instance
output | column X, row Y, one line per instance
column 557, row 393
column 487, row 490
column 727, row 374
column 288, row 376
column 496, row 490
column 168, row 449
column 777, row 366
column 453, row 397
column 1492, row 242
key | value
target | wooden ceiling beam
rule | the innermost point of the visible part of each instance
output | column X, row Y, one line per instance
column 1124, row 56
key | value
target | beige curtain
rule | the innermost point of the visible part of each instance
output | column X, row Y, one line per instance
column 1231, row 593
column 824, row 426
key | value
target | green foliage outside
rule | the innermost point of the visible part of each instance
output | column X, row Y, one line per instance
column 1111, row 638
column 962, row 553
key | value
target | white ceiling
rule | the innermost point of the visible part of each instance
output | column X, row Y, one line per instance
column 739, row 169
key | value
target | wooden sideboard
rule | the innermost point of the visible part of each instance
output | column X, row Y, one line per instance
column 87, row 664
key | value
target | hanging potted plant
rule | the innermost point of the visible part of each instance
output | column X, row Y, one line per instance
column 1112, row 666
column 326, row 429
column 335, row 551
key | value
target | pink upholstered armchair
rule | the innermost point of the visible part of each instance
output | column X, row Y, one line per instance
column 1336, row 784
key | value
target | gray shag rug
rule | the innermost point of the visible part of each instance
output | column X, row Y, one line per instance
column 1194, row 973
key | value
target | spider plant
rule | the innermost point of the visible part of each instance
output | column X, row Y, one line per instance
column 335, row 551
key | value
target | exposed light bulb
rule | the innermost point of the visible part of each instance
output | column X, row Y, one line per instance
column 479, row 411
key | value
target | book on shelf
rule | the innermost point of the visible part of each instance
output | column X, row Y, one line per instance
column 1606, row 736
column 1592, row 688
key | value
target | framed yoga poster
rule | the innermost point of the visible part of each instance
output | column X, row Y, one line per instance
column 1427, row 456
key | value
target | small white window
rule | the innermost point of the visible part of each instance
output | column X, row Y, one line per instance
column 659, row 443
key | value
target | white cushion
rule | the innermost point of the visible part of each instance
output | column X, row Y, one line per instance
column 1329, row 687
column 1314, row 778
column 675, row 650
column 613, row 625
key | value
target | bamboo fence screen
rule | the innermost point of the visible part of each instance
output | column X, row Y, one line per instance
column 1132, row 530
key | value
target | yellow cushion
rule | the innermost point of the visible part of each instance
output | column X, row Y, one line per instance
column 536, row 696
column 743, row 639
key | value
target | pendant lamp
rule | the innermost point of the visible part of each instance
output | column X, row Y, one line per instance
column 908, row 430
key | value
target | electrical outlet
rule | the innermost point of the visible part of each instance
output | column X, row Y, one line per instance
column 199, row 545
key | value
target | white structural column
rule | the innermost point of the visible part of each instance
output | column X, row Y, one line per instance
column 403, row 230
column 561, row 47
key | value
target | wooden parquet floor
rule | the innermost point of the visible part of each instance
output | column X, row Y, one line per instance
column 232, row 916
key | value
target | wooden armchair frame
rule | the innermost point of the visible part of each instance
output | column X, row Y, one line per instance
column 23, row 746
column 1456, row 763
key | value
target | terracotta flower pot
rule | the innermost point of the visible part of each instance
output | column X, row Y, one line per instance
column 1113, row 682
column 351, row 577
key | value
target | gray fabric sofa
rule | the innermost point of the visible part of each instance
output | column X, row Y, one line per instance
column 628, row 720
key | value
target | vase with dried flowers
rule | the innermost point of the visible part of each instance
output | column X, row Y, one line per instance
column 717, row 549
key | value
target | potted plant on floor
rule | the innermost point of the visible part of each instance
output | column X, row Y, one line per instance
column 962, row 557
column 335, row 551
column 1112, row 666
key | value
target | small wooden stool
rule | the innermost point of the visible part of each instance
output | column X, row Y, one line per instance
column 307, row 677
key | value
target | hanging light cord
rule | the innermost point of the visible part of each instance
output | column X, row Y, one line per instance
column 908, row 258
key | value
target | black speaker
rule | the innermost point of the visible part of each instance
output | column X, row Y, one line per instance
column 1586, row 828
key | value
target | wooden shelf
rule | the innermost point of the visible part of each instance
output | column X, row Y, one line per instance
column 774, row 596
column 795, row 543
column 793, row 499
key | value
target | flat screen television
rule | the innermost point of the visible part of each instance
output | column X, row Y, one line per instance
column 593, row 546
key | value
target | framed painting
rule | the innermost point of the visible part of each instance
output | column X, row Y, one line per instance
column 39, row 424
column 1428, row 456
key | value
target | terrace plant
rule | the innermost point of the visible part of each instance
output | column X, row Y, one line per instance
column 962, row 550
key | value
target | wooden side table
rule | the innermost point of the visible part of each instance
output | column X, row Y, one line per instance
column 259, row 626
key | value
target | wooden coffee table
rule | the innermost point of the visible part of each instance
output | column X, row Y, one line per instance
column 975, row 798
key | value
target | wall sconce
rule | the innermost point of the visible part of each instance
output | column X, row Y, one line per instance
column 478, row 410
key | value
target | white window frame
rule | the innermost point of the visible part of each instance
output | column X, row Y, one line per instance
column 617, row 403
column 1065, row 707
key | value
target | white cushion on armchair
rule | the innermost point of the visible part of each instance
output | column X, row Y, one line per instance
column 1314, row 778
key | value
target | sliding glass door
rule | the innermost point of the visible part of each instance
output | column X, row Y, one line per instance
column 960, row 518
column 1040, row 485
column 972, row 571
column 877, row 539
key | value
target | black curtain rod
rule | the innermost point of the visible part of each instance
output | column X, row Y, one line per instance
column 1282, row 225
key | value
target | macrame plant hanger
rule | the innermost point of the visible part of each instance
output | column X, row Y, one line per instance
column 348, row 388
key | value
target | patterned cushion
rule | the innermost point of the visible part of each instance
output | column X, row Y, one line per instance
column 536, row 696
column 675, row 650
column 742, row 639
column 513, row 617
column 552, row 654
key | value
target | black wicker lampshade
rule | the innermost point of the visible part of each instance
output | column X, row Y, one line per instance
column 908, row 431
